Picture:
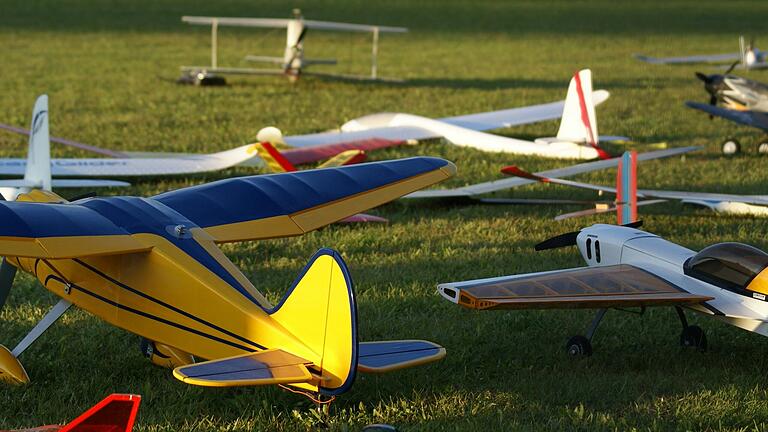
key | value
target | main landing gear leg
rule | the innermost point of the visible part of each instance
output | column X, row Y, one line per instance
column 691, row 336
column 581, row 346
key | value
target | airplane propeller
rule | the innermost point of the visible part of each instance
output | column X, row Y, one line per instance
column 569, row 238
column 713, row 84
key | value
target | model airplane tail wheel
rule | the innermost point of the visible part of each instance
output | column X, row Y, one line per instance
column 731, row 147
column 762, row 148
column 578, row 346
column 694, row 337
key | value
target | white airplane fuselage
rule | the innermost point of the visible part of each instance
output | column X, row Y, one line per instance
column 604, row 245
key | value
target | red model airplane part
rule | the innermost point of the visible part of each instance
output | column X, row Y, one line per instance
column 116, row 413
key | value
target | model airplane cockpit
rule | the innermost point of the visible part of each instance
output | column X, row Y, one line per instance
column 735, row 267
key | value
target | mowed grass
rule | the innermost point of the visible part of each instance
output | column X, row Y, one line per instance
column 109, row 67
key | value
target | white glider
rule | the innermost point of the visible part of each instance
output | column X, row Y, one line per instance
column 577, row 137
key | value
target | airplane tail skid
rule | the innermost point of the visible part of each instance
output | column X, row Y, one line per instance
column 320, row 311
column 579, row 121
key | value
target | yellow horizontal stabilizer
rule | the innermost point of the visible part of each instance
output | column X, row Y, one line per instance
column 261, row 368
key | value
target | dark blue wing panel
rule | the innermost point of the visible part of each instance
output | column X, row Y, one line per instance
column 747, row 118
column 258, row 197
column 37, row 220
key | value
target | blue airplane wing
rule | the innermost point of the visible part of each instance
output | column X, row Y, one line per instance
column 747, row 118
column 288, row 204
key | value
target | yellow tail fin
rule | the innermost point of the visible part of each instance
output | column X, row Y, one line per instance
column 320, row 311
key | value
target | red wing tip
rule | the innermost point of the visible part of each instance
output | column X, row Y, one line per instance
column 517, row 172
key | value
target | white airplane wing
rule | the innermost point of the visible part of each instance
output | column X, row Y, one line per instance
column 282, row 23
column 716, row 58
column 479, row 122
column 122, row 167
column 237, row 22
column 508, row 183
column 328, row 25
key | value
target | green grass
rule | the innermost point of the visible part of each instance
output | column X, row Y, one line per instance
column 108, row 67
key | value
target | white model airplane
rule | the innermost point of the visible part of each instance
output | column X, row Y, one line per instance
column 292, row 64
column 627, row 267
column 748, row 57
column 36, row 169
column 755, row 205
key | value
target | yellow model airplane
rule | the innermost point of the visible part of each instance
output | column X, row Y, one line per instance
column 152, row 266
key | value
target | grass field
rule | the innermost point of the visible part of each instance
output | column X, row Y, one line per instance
column 108, row 68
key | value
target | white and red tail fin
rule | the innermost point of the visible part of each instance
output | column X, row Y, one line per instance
column 275, row 160
column 116, row 413
column 626, row 189
column 38, row 171
column 579, row 122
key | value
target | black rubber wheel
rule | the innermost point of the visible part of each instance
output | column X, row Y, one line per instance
column 730, row 147
column 694, row 337
column 578, row 346
column 762, row 147
column 147, row 347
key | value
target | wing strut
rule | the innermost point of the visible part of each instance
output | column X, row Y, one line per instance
column 51, row 317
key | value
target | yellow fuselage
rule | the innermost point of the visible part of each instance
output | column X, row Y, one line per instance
column 169, row 297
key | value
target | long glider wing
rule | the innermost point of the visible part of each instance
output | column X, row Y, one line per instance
column 288, row 204
column 588, row 287
column 385, row 133
column 747, row 118
column 129, row 167
column 508, row 183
